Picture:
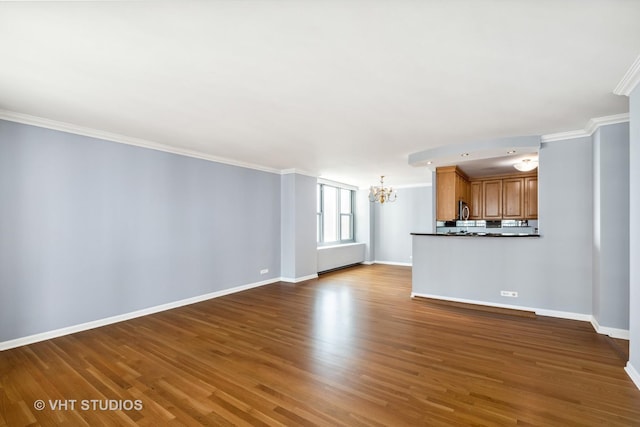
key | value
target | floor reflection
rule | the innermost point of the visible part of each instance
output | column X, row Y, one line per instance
column 333, row 322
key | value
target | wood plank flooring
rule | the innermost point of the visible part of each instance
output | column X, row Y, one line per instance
column 350, row 348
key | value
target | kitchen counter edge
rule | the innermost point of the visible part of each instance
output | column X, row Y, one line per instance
column 474, row 235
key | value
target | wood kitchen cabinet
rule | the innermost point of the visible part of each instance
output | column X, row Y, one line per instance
column 452, row 185
column 531, row 197
column 492, row 199
column 475, row 200
column 513, row 197
column 462, row 189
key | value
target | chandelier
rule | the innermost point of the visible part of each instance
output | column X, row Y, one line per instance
column 382, row 194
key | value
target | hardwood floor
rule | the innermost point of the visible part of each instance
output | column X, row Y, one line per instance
column 350, row 348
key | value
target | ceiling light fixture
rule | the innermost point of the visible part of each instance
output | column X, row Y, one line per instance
column 382, row 194
column 526, row 165
column 511, row 152
column 464, row 155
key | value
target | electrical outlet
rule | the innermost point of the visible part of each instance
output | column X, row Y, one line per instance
column 264, row 271
column 512, row 294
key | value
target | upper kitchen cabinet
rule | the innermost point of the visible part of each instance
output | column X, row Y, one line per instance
column 452, row 185
column 475, row 200
column 513, row 198
column 531, row 197
column 492, row 199
column 508, row 197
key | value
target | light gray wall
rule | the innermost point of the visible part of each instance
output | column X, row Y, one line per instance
column 611, row 232
column 552, row 272
column 565, row 210
column 634, row 229
column 365, row 220
column 411, row 212
column 287, row 225
column 91, row 229
column 306, row 242
column 597, row 224
column 298, row 225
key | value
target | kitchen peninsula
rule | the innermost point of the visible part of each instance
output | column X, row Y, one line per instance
column 553, row 273
column 478, row 269
column 485, row 240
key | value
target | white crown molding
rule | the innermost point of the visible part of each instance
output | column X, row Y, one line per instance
column 589, row 129
column 123, row 139
column 597, row 122
column 297, row 172
column 419, row 185
column 402, row 187
column 563, row 136
column 630, row 80
column 337, row 184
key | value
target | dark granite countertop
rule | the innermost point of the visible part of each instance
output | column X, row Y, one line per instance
column 476, row 234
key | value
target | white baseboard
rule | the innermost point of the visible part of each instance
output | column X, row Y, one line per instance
column 633, row 374
column 367, row 263
column 612, row 332
column 404, row 264
column 538, row 311
column 569, row 315
column 18, row 342
column 298, row 279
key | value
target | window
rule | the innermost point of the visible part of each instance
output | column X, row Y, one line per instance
column 334, row 214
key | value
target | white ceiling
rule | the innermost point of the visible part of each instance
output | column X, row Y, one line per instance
column 342, row 89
